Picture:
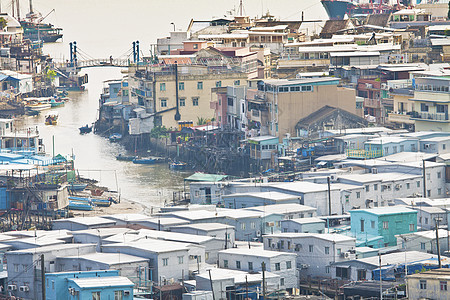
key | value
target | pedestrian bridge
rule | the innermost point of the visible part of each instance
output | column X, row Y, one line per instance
column 90, row 63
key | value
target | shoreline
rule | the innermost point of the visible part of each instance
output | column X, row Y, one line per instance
column 125, row 206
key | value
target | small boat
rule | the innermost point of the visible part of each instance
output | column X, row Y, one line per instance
column 37, row 106
column 101, row 202
column 78, row 205
column 92, row 201
column 77, row 187
column 125, row 157
column 51, row 118
column 85, row 129
column 57, row 102
column 178, row 165
column 145, row 161
column 115, row 137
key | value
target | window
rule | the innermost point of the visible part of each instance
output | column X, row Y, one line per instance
column 195, row 46
column 428, row 193
column 338, row 251
column 439, row 191
column 411, row 227
column 408, row 186
column 162, row 87
column 342, row 272
column 418, row 183
column 372, row 224
column 195, row 101
column 385, row 224
column 361, row 274
column 237, row 82
column 250, row 266
column 440, row 108
column 426, row 220
column 180, row 260
column 439, row 174
column 443, row 285
column 252, row 225
column 423, row 107
column 182, row 102
column 225, row 263
column 375, row 187
column 238, row 264
column 118, row 295
column 358, row 195
column 277, row 267
column 16, row 267
column 288, row 264
column 423, row 284
column 281, row 281
column 181, row 86
column 422, row 246
column 95, row 295
column 165, row 261
column 243, row 226
column 367, row 188
column 200, row 85
column 163, row 102
column 306, row 88
column 362, row 225
column 327, row 270
column 311, row 248
column 218, row 83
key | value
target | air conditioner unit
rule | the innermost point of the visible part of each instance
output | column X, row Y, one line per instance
column 313, row 169
column 350, row 169
column 220, row 185
column 398, row 186
column 258, row 233
column 24, row 288
column 12, row 287
column 126, row 293
column 71, row 290
column 426, row 146
column 383, row 86
column 333, row 177
column 369, row 85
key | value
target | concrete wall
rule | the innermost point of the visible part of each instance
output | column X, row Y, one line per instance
column 289, row 275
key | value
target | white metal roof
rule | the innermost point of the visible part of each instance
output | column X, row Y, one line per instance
column 108, row 281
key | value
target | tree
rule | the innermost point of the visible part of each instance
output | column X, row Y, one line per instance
column 3, row 23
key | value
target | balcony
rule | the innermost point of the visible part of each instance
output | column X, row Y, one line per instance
column 400, row 118
column 255, row 115
column 372, row 103
column 363, row 154
column 425, row 116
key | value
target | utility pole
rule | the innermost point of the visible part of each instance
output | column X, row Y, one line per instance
column 210, row 280
column 437, row 242
column 43, row 285
column 381, row 282
column 263, row 266
column 424, row 179
column 246, row 288
column 329, row 202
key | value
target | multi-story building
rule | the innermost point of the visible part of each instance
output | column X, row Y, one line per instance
column 316, row 252
column 379, row 226
column 431, row 101
column 180, row 93
column 279, row 263
column 277, row 105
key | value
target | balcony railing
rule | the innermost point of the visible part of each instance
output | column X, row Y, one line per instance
column 430, row 116
column 364, row 154
column 400, row 118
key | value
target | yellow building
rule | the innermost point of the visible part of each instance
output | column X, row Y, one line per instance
column 157, row 91
column 278, row 104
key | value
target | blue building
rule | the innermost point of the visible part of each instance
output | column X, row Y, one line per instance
column 377, row 227
column 88, row 285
